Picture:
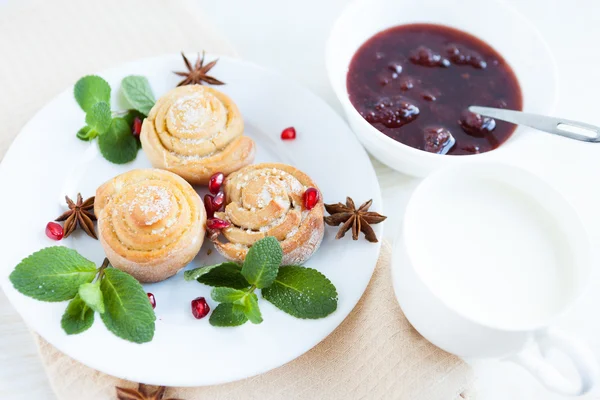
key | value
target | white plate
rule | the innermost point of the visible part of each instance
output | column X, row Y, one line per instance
column 47, row 161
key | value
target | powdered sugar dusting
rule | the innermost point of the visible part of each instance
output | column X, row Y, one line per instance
column 153, row 201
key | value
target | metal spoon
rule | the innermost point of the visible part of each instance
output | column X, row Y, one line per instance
column 558, row 126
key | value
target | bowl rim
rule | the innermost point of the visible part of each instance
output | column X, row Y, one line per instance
column 343, row 96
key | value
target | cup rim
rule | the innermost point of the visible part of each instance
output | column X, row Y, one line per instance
column 568, row 219
column 342, row 95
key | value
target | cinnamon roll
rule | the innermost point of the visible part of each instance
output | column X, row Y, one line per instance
column 267, row 200
column 150, row 223
column 196, row 131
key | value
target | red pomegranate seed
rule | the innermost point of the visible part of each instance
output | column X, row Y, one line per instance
column 136, row 129
column 310, row 198
column 200, row 308
column 208, row 205
column 288, row 133
column 215, row 182
column 152, row 300
column 54, row 231
column 216, row 223
column 218, row 200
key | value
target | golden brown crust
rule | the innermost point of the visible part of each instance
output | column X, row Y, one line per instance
column 266, row 200
column 196, row 131
column 150, row 223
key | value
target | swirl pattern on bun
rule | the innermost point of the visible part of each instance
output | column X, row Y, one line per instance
column 196, row 131
column 267, row 200
column 150, row 222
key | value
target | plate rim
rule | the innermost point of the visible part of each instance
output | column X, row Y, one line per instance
column 12, row 294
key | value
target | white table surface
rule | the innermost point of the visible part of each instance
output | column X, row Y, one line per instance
column 290, row 36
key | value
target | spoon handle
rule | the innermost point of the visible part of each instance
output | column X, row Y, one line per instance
column 558, row 126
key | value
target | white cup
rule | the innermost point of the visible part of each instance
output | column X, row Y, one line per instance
column 488, row 255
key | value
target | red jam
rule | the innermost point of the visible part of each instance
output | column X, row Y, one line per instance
column 415, row 83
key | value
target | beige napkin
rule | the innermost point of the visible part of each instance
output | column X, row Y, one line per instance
column 374, row 354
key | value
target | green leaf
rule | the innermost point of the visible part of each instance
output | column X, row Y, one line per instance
column 99, row 118
column 86, row 134
column 302, row 292
column 52, row 274
column 78, row 317
column 130, row 115
column 226, row 274
column 128, row 313
column 118, row 145
column 251, row 309
column 227, row 295
column 138, row 93
column 91, row 294
column 227, row 314
column 262, row 262
column 194, row 274
column 90, row 90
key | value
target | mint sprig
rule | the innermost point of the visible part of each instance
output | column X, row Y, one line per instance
column 228, row 314
column 299, row 291
column 115, row 136
column 90, row 90
column 78, row 317
column 137, row 92
column 262, row 262
column 129, row 314
column 302, row 292
column 52, row 274
column 118, row 145
column 59, row 274
column 227, row 274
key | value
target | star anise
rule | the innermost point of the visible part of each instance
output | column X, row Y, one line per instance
column 197, row 73
column 359, row 220
column 143, row 392
column 80, row 213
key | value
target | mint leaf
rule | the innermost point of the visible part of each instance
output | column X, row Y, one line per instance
column 52, row 274
column 227, row 274
column 302, row 292
column 138, row 93
column 99, row 118
column 130, row 115
column 78, row 317
column 118, row 145
column 86, row 134
column 227, row 295
column 194, row 274
column 128, row 313
column 251, row 309
column 90, row 90
column 227, row 314
column 91, row 294
column 262, row 262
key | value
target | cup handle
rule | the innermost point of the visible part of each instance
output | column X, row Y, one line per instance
column 581, row 356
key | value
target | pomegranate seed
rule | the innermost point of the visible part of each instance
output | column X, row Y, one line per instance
column 288, row 133
column 218, row 200
column 215, row 182
column 310, row 198
column 200, row 308
column 152, row 300
column 136, row 129
column 216, row 223
column 54, row 231
column 208, row 205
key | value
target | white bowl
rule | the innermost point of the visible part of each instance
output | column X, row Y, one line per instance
column 507, row 31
